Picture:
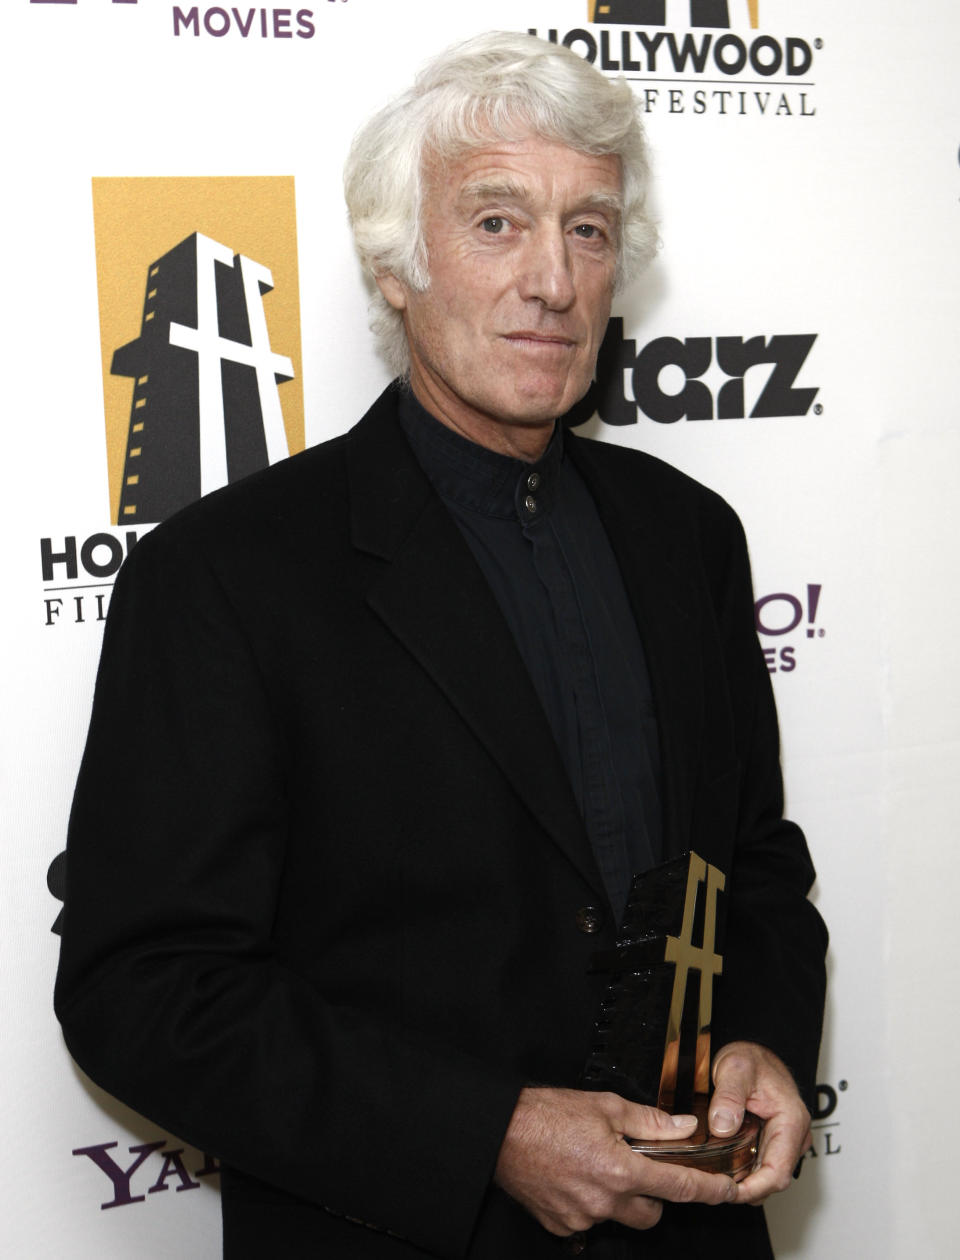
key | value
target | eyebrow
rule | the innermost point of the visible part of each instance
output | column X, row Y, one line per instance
column 484, row 190
column 510, row 190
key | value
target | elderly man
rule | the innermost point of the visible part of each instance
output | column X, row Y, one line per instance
column 381, row 734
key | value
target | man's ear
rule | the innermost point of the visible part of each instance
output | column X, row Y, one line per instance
column 393, row 290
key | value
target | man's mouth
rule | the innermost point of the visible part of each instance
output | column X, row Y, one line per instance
column 524, row 337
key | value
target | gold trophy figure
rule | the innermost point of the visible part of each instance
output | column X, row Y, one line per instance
column 652, row 1038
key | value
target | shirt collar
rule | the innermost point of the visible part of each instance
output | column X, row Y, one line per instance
column 474, row 477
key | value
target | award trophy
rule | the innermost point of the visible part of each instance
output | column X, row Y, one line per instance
column 652, row 1037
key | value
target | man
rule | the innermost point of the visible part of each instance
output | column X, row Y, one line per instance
column 381, row 734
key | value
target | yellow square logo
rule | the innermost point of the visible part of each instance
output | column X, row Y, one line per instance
column 199, row 333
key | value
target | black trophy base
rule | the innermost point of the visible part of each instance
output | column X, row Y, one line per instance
column 735, row 1156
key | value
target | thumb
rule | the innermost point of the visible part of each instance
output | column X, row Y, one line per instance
column 648, row 1124
column 729, row 1101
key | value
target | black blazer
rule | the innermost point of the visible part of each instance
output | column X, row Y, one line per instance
column 325, row 867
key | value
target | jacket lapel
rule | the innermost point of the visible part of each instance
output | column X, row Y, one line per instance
column 432, row 596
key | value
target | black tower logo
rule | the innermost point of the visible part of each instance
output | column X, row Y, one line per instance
column 206, row 405
column 715, row 13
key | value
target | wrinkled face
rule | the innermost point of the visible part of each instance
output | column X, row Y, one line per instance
column 522, row 249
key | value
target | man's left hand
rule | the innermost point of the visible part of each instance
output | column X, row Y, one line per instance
column 748, row 1077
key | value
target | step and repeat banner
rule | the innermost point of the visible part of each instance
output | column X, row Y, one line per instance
column 794, row 345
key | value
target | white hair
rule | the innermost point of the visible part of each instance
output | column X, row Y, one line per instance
column 497, row 86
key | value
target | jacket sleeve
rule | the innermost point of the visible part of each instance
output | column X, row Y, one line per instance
column 172, row 992
column 774, row 980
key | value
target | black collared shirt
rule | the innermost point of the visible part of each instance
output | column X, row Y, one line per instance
column 538, row 538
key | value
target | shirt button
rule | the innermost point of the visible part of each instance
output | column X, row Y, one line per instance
column 533, row 481
column 575, row 1244
column 530, row 504
column 589, row 920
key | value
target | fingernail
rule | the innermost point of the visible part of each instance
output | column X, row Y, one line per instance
column 732, row 1192
column 724, row 1122
column 683, row 1122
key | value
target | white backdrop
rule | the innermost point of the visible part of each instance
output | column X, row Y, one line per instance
column 822, row 202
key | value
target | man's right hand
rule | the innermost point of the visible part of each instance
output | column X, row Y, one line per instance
column 564, row 1159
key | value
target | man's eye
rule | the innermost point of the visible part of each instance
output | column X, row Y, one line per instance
column 494, row 224
column 589, row 231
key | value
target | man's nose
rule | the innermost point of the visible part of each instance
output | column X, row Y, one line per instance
column 545, row 273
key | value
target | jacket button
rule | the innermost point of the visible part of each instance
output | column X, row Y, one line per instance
column 575, row 1244
column 589, row 920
